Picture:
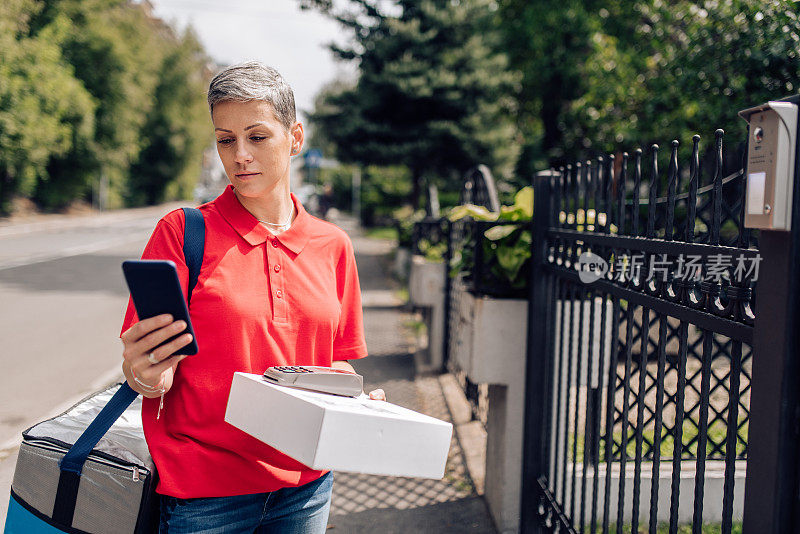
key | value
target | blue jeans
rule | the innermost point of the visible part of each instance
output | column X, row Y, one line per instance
column 301, row 510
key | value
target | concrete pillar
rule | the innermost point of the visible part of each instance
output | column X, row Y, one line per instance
column 490, row 339
column 426, row 284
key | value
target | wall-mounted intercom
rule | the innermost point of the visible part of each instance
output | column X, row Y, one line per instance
column 771, row 147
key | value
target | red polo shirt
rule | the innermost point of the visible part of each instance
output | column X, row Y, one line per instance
column 260, row 300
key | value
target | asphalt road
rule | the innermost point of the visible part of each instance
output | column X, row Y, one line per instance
column 62, row 298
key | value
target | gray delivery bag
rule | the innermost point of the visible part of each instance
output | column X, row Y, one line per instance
column 115, row 492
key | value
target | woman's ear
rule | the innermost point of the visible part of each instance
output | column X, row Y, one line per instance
column 298, row 137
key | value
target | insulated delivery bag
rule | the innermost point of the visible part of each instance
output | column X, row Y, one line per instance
column 87, row 470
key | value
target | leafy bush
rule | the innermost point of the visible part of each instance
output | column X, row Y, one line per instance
column 506, row 248
column 404, row 218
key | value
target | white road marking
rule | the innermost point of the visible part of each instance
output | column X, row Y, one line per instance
column 70, row 251
column 109, row 377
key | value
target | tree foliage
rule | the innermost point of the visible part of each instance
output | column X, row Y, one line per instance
column 688, row 67
column 433, row 92
column 170, row 160
column 97, row 89
column 44, row 111
column 597, row 74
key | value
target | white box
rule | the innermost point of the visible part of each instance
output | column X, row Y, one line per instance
column 339, row 433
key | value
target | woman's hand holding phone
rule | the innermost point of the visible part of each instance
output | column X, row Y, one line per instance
column 148, row 365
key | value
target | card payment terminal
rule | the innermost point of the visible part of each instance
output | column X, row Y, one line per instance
column 316, row 378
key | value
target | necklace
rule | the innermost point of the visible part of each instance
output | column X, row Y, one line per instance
column 278, row 225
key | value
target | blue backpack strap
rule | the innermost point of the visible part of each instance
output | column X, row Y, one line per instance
column 194, row 241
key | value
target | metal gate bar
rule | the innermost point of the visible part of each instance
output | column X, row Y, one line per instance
column 582, row 212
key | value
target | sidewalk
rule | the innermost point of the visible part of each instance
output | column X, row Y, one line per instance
column 364, row 503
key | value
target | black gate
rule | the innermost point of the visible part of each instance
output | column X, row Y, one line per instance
column 640, row 336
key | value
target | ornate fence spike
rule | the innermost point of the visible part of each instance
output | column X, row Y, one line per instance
column 597, row 189
column 710, row 286
column 586, row 183
column 717, row 214
column 621, row 181
column 573, row 209
column 637, row 280
column 563, row 205
column 652, row 192
column 652, row 283
column 575, row 192
column 637, row 186
column 608, row 176
column 694, row 175
column 672, row 291
column 672, row 174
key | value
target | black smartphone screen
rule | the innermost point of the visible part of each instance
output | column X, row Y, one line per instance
column 156, row 289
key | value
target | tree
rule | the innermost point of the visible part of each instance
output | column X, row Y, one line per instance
column 597, row 74
column 148, row 85
column 433, row 92
column 44, row 111
column 689, row 67
column 116, row 49
column 171, row 157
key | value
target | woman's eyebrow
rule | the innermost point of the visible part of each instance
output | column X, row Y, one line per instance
column 247, row 128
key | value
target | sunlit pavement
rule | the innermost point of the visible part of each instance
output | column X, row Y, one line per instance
column 59, row 277
column 364, row 503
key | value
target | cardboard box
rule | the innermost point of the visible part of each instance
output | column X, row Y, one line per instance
column 339, row 433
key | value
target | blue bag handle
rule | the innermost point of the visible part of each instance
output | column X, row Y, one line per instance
column 71, row 464
column 74, row 459
column 194, row 242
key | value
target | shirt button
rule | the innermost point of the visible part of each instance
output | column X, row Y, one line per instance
column 277, row 268
column 279, row 293
column 275, row 243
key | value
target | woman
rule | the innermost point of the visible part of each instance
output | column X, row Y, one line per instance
column 277, row 287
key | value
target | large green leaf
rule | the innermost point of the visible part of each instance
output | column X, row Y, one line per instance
column 511, row 258
column 479, row 213
column 495, row 233
column 523, row 201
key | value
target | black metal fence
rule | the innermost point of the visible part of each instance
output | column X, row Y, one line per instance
column 643, row 309
column 459, row 245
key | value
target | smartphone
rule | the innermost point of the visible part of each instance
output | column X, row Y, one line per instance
column 156, row 289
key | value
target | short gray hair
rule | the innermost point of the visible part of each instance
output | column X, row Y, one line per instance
column 254, row 81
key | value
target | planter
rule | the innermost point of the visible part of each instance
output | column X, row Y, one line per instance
column 490, row 338
column 401, row 261
column 488, row 343
column 426, row 282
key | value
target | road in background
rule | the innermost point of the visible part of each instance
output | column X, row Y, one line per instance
column 62, row 298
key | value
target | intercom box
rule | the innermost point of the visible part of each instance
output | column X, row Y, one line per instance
column 337, row 433
column 771, row 155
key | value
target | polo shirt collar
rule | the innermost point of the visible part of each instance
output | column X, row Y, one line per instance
column 245, row 223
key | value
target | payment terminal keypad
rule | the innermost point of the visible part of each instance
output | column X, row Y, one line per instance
column 316, row 378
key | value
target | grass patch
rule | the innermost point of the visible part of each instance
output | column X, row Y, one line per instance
column 717, row 434
column 401, row 294
column 382, row 232
column 414, row 325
